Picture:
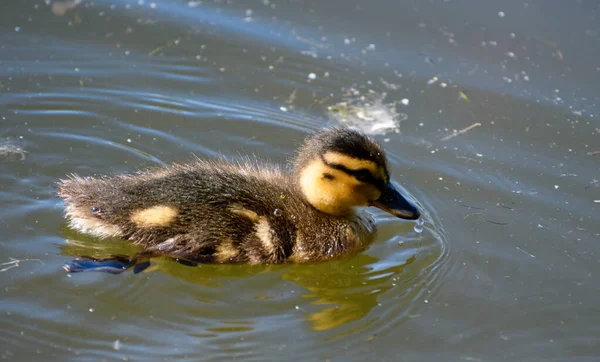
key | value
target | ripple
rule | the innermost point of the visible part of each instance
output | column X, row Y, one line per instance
column 93, row 93
column 366, row 295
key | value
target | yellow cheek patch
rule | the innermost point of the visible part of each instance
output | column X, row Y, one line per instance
column 334, row 197
column 156, row 216
column 351, row 162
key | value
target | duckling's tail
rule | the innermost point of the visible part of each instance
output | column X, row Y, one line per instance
column 85, row 200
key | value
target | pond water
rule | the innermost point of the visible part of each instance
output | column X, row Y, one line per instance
column 489, row 112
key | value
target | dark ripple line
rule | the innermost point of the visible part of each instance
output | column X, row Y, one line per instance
column 241, row 108
column 108, row 70
column 103, row 142
column 177, row 104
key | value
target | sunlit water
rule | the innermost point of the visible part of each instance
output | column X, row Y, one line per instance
column 488, row 113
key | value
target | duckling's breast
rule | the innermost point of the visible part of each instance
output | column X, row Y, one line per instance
column 333, row 238
column 361, row 233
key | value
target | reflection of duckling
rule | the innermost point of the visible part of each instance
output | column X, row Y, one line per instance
column 215, row 211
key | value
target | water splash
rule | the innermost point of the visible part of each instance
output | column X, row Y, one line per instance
column 419, row 225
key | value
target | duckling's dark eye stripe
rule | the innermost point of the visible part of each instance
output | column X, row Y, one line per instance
column 362, row 174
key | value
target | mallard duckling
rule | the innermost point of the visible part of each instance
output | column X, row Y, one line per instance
column 216, row 211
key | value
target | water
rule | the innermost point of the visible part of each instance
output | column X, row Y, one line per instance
column 418, row 228
column 491, row 125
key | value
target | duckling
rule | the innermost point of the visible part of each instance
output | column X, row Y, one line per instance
column 222, row 212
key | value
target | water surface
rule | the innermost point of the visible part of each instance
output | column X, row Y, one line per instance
column 495, row 134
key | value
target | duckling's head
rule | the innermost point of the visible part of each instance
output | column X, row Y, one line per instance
column 341, row 168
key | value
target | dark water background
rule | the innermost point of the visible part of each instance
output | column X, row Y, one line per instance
column 507, row 266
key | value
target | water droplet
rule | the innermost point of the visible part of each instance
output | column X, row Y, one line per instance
column 419, row 225
column 277, row 212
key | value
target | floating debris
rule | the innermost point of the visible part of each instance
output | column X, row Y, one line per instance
column 168, row 45
column 551, row 44
column 60, row 8
column 432, row 80
column 14, row 263
column 464, row 130
column 496, row 222
column 525, row 252
column 463, row 96
column 368, row 112
column 390, row 86
column 11, row 153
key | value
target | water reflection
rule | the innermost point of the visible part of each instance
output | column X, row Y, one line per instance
column 335, row 294
column 115, row 86
column 348, row 290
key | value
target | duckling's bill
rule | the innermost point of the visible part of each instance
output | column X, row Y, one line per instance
column 393, row 202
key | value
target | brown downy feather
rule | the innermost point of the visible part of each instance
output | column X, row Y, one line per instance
column 213, row 211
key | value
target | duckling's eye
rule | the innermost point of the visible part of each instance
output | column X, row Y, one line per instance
column 363, row 175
